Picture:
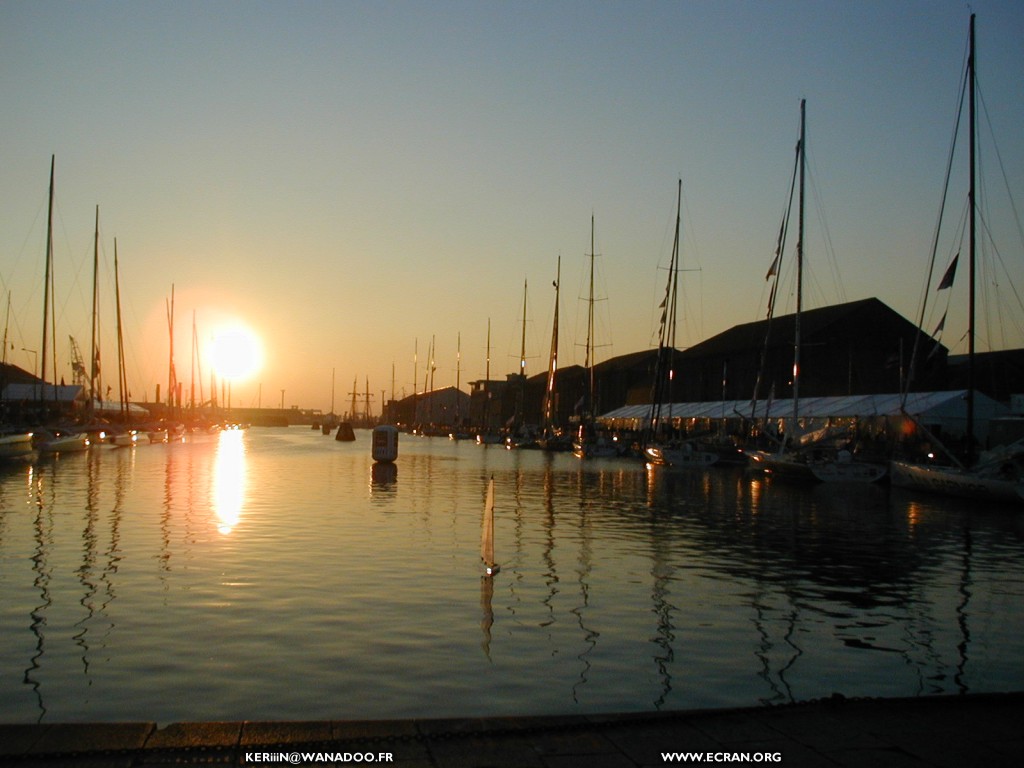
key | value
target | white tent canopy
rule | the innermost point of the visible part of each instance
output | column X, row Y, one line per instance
column 948, row 409
column 43, row 392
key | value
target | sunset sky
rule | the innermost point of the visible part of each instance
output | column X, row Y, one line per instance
column 351, row 180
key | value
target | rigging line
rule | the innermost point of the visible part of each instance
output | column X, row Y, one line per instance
column 819, row 200
column 1001, row 261
column 688, row 235
column 965, row 82
column 1002, row 165
column 983, row 211
column 780, row 249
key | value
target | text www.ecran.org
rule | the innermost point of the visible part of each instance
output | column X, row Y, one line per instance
column 721, row 757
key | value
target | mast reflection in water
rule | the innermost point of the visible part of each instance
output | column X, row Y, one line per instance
column 269, row 574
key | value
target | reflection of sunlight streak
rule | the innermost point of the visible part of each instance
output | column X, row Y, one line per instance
column 229, row 479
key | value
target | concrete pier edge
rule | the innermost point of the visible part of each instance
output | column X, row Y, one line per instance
column 944, row 730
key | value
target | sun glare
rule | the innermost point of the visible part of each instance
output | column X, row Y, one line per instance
column 236, row 353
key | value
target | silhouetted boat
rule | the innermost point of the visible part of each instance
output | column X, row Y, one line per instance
column 589, row 443
column 657, row 449
column 552, row 437
column 800, row 457
column 16, row 445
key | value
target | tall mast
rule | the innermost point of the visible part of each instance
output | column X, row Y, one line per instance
column 192, row 385
column 458, row 372
column 799, row 272
column 522, row 350
column 487, row 380
column 433, row 362
column 972, row 81
column 588, row 362
column 172, row 376
column 48, row 284
column 122, row 379
column 94, row 383
column 549, row 392
column 667, row 333
column 521, row 401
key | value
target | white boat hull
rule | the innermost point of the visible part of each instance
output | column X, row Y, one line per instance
column 794, row 468
column 66, row 443
column 953, row 481
column 597, row 450
column 16, row 446
column 848, row 472
column 679, row 457
column 124, row 439
column 781, row 465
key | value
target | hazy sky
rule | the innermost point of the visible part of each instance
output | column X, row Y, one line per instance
column 351, row 179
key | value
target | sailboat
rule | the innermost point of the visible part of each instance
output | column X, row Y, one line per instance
column 126, row 436
column 487, row 533
column 552, row 438
column 521, row 434
column 657, row 449
column 487, row 435
column 796, row 456
column 997, row 475
column 588, row 444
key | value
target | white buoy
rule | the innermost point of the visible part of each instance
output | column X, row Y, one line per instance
column 384, row 444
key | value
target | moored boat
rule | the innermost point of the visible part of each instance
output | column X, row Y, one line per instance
column 61, row 442
column 992, row 484
column 684, row 455
column 659, row 449
column 996, row 475
column 16, row 445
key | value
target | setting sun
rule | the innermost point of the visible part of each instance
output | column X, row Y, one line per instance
column 236, row 353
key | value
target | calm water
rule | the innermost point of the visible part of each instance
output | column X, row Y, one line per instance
column 274, row 574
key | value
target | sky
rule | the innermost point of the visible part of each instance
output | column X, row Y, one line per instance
column 357, row 182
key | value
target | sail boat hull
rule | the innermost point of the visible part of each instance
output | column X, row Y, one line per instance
column 849, row 472
column 952, row 481
column 683, row 457
column 16, row 446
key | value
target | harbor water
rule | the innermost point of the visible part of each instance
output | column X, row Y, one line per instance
column 281, row 574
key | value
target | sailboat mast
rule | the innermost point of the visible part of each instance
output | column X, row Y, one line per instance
column 47, row 281
column 192, row 383
column 94, row 351
column 666, row 333
column 549, row 392
column 522, row 349
column 799, row 270
column 972, row 81
column 520, row 414
column 172, row 377
column 122, row 379
column 487, row 381
column 673, row 302
column 588, row 362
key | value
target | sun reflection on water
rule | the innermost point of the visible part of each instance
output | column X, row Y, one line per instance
column 229, row 480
